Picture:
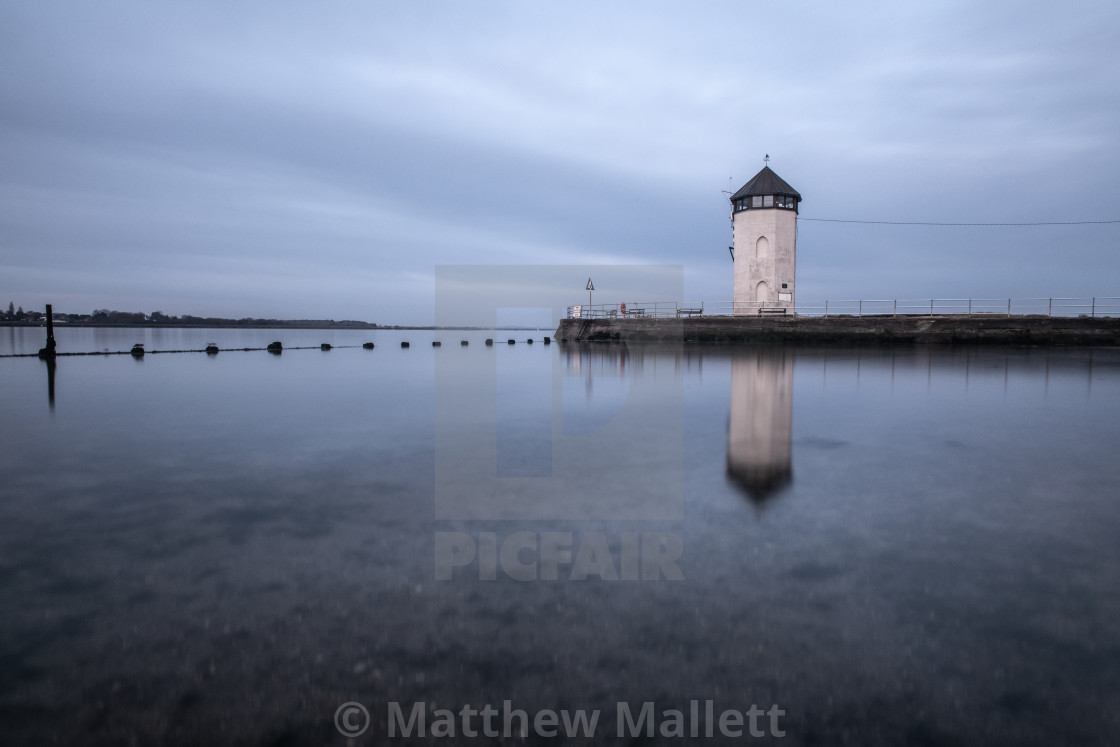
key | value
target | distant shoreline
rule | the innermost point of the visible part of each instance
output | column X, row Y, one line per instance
column 279, row 325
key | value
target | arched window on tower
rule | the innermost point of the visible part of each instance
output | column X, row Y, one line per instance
column 762, row 292
column 762, row 247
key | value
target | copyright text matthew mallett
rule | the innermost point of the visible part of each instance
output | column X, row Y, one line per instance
column 699, row 720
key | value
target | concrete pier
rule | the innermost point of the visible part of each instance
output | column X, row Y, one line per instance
column 938, row 329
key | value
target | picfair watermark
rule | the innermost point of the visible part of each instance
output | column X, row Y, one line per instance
column 559, row 556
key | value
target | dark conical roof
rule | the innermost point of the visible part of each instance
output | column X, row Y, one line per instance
column 766, row 182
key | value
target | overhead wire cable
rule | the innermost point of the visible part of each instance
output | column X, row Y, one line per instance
column 934, row 223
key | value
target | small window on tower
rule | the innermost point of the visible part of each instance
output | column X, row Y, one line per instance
column 756, row 201
column 768, row 201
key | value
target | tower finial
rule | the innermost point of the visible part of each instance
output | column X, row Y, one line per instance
column 766, row 160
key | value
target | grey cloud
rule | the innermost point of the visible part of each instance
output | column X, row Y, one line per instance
column 343, row 152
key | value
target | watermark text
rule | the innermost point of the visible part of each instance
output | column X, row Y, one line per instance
column 699, row 719
column 559, row 556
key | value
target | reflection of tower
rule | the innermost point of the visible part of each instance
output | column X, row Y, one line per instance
column 764, row 223
column 758, row 439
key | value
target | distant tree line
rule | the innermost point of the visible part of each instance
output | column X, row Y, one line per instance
column 109, row 317
column 19, row 315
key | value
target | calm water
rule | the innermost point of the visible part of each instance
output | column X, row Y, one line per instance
column 896, row 546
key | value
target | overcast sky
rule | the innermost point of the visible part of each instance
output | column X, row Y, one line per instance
column 321, row 160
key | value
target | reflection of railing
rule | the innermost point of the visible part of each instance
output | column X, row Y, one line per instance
column 1064, row 307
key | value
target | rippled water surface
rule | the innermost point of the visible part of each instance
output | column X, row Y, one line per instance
column 894, row 545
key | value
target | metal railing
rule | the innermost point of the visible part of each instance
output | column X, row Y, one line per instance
column 1054, row 307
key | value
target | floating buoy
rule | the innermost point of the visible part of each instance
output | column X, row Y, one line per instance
column 275, row 347
column 368, row 346
column 489, row 341
column 325, row 346
column 463, row 343
column 404, row 344
column 211, row 348
column 530, row 341
column 547, row 340
column 511, row 341
column 138, row 350
column 436, row 343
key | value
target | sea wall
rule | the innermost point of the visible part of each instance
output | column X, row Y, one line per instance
column 939, row 329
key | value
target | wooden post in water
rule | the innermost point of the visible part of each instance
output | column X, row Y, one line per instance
column 48, row 351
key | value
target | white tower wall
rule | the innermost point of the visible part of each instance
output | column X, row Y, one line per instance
column 765, row 252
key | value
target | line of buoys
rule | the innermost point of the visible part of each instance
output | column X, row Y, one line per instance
column 276, row 347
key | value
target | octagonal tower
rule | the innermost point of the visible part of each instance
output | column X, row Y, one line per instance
column 764, row 224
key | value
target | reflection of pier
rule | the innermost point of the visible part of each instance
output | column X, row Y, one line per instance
column 759, row 436
column 51, row 363
column 592, row 362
